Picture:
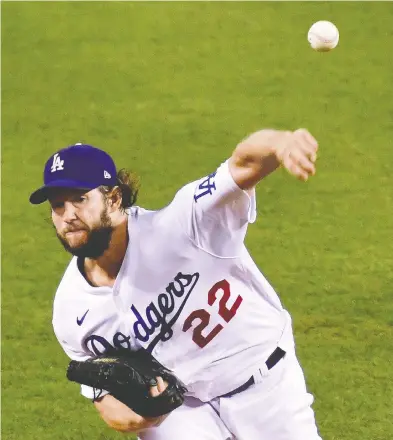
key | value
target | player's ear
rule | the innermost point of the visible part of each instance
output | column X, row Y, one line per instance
column 114, row 198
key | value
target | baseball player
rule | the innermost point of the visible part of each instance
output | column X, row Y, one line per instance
column 180, row 283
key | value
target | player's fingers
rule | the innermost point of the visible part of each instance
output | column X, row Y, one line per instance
column 300, row 147
column 308, row 150
column 296, row 170
column 306, row 165
column 312, row 155
column 308, row 153
column 300, row 158
column 154, row 390
column 158, row 388
column 307, row 136
column 161, row 384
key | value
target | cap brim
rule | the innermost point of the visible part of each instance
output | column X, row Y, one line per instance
column 41, row 194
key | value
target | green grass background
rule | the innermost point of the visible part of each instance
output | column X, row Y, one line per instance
column 169, row 89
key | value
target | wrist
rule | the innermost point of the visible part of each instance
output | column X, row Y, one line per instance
column 279, row 143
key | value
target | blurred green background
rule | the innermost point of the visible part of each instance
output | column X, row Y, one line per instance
column 169, row 89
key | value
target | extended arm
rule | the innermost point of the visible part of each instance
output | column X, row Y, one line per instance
column 264, row 151
column 215, row 210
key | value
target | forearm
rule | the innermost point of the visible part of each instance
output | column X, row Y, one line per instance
column 264, row 151
column 255, row 157
column 121, row 418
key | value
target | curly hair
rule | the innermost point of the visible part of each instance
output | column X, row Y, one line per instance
column 128, row 185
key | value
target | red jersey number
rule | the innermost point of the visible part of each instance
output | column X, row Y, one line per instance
column 204, row 316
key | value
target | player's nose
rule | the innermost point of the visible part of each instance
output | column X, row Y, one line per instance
column 69, row 213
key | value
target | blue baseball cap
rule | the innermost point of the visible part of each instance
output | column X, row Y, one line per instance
column 79, row 166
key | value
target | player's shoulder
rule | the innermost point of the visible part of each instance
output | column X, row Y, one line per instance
column 183, row 198
column 137, row 212
column 179, row 202
column 176, row 216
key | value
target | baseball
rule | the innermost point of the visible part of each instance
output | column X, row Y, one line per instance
column 323, row 36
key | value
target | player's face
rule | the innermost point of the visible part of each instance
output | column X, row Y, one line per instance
column 81, row 221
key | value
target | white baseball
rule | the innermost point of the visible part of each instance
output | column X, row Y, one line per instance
column 323, row 36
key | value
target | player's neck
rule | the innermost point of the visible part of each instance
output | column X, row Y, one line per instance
column 103, row 270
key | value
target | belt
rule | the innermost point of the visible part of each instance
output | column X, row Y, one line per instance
column 272, row 360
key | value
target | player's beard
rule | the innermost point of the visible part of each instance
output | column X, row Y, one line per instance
column 97, row 242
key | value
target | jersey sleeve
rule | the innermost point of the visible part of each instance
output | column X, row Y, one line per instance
column 216, row 212
column 76, row 355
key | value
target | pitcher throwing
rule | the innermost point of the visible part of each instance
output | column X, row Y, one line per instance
column 180, row 283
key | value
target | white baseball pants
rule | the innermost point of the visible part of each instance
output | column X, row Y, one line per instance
column 277, row 407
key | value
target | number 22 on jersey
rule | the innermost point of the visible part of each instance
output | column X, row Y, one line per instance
column 204, row 316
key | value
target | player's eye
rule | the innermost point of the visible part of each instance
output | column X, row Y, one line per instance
column 57, row 205
column 79, row 199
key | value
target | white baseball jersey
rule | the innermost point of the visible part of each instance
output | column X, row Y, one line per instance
column 188, row 291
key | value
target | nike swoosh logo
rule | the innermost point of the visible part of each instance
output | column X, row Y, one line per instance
column 80, row 321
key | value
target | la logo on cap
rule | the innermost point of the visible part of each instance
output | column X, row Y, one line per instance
column 107, row 175
column 57, row 164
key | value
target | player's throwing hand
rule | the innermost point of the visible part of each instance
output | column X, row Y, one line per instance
column 297, row 153
column 262, row 152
